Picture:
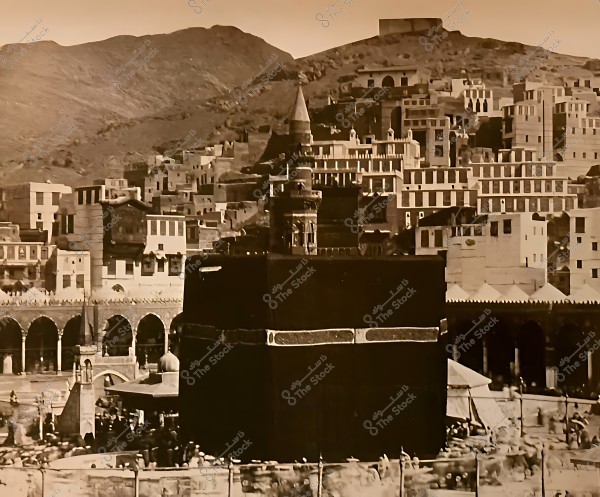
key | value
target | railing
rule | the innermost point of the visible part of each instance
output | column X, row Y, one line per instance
column 541, row 474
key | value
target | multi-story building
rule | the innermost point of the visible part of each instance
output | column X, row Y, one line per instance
column 501, row 250
column 520, row 182
column 131, row 249
column 32, row 206
column 576, row 137
column 584, row 264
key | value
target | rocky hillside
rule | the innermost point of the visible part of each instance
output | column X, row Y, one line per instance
column 83, row 112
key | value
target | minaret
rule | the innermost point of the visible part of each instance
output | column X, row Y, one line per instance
column 299, row 127
column 86, row 335
column 78, row 416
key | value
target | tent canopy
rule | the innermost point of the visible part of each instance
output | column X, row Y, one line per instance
column 469, row 397
column 460, row 376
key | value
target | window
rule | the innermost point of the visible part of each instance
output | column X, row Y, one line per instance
column 594, row 273
column 153, row 227
column 371, row 83
column 447, row 198
column 163, row 228
column 429, row 177
column 161, row 266
column 595, row 246
column 180, row 229
column 174, row 265
column 55, row 198
column 112, row 267
column 507, row 226
column 80, row 197
column 579, row 264
column 494, row 228
column 516, row 187
column 451, row 176
column 425, row 239
column 438, row 238
column 39, row 198
column 171, row 228
column 161, row 246
column 129, row 267
column 432, row 199
column 580, row 225
column 66, row 280
column 79, row 281
column 558, row 185
column 527, row 186
column 439, row 135
column 418, row 199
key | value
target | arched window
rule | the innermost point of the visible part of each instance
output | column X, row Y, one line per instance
column 485, row 105
column 478, row 106
column 388, row 82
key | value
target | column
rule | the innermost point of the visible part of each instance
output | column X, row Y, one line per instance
column 23, row 338
column 133, row 335
column 59, row 354
column 166, row 341
column 517, row 363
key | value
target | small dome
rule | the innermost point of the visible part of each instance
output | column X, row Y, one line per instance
column 168, row 363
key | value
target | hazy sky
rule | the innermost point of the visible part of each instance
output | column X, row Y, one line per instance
column 292, row 25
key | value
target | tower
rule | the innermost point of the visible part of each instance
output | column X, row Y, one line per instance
column 299, row 127
column 293, row 212
column 78, row 416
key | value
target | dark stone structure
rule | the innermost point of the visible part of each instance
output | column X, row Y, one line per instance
column 314, row 355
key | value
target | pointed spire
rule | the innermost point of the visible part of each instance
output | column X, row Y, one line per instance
column 300, row 111
column 86, row 334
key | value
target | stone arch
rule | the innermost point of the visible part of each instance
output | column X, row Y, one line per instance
column 70, row 338
column 531, row 342
column 41, row 345
column 175, row 333
column 468, row 347
column 110, row 371
column 388, row 82
column 571, row 358
column 150, row 339
column 118, row 336
column 500, row 344
column 559, row 157
column 10, row 344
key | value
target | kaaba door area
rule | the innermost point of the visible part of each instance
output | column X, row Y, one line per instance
column 350, row 363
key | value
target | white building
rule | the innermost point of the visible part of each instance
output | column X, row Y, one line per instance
column 507, row 250
column 519, row 182
column 584, row 254
column 32, row 205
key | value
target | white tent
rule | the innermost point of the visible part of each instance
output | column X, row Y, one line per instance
column 469, row 397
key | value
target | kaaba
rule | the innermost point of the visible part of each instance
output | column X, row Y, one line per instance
column 313, row 356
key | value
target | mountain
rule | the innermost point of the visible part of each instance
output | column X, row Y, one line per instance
column 58, row 103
